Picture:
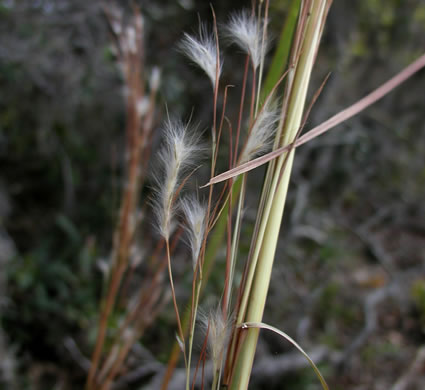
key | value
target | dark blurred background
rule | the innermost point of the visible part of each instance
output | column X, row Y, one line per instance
column 349, row 281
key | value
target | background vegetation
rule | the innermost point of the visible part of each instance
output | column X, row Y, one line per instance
column 349, row 279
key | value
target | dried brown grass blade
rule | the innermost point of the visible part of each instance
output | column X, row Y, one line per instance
column 335, row 120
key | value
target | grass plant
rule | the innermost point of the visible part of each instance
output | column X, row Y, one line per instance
column 267, row 130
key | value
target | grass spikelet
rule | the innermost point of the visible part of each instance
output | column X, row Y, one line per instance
column 218, row 337
column 203, row 52
column 195, row 214
column 245, row 31
column 179, row 152
column 260, row 137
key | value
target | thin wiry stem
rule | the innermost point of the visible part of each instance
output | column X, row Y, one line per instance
column 201, row 357
column 220, row 129
column 195, row 218
column 235, row 240
column 195, row 304
column 227, row 277
column 263, row 50
column 173, row 293
column 242, row 101
column 215, row 99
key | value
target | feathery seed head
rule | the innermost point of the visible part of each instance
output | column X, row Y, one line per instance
column 261, row 135
column 218, row 335
column 203, row 52
column 195, row 214
column 179, row 152
column 244, row 30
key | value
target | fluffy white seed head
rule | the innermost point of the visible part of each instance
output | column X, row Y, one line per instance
column 244, row 30
column 180, row 151
column 262, row 132
column 195, row 214
column 203, row 52
column 218, row 335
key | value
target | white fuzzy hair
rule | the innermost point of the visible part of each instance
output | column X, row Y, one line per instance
column 218, row 334
column 244, row 30
column 180, row 151
column 195, row 214
column 262, row 132
column 203, row 52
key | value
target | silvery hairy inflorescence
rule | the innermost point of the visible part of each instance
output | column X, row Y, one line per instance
column 262, row 131
column 245, row 31
column 203, row 52
column 179, row 152
column 195, row 214
column 218, row 329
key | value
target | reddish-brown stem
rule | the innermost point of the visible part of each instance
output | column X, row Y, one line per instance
column 202, row 354
column 231, row 158
column 253, row 90
column 220, row 129
column 173, row 293
column 217, row 74
column 123, row 239
column 128, row 341
column 242, row 102
column 145, row 294
column 227, row 287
